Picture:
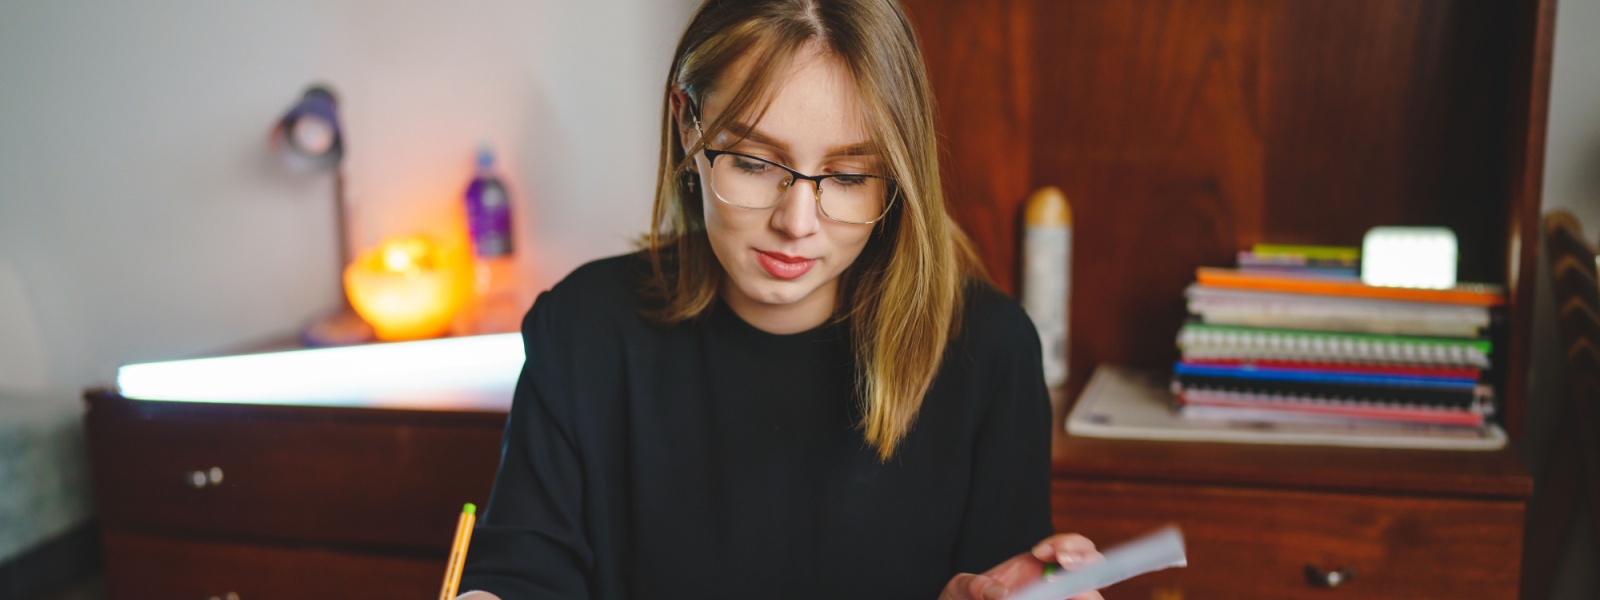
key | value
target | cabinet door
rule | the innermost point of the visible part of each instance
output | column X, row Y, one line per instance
column 143, row 567
column 1252, row 543
column 376, row 484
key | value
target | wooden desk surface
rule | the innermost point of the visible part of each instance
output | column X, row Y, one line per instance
column 1496, row 474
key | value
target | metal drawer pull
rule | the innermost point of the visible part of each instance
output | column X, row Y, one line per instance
column 230, row 596
column 201, row 479
column 1328, row 579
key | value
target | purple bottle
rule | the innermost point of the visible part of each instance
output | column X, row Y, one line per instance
column 499, row 303
column 488, row 210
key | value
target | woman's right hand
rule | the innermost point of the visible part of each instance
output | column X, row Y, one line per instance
column 1070, row 550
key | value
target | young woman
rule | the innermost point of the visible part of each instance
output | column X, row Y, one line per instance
column 800, row 388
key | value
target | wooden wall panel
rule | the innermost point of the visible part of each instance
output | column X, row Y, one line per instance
column 979, row 57
column 1184, row 131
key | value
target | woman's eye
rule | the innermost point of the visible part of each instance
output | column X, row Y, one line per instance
column 850, row 180
column 749, row 165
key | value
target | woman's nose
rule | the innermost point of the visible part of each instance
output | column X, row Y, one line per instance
column 796, row 215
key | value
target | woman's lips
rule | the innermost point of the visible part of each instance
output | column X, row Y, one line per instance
column 784, row 266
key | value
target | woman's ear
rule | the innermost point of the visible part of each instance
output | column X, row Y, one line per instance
column 681, row 115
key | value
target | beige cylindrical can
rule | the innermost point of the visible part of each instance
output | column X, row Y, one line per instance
column 1047, row 275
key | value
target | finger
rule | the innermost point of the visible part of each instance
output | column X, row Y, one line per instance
column 1075, row 559
column 1017, row 570
column 1068, row 549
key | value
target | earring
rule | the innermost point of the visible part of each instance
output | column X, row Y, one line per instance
column 690, row 177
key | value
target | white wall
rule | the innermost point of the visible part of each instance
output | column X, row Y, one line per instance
column 145, row 218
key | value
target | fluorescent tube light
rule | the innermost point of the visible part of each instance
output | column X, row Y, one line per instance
column 474, row 373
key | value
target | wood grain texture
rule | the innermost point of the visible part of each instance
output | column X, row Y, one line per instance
column 1185, row 131
column 1532, row 48
column 383, row 483
column 980, row 60
column 1492, row 475
column 141, row 567
column 1245, row 544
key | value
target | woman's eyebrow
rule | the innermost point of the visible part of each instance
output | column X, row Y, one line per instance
column 745, row 132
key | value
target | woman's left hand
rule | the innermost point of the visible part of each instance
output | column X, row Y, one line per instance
column 1069, row 550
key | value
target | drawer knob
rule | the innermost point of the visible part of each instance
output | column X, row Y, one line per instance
column 228, row 596
column 201, row 479
column 1328, row 579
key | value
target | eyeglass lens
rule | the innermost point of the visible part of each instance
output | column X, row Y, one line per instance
column 755, row 183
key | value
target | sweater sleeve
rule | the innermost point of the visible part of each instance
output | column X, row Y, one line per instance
column 1008, row 507
column 530, row 542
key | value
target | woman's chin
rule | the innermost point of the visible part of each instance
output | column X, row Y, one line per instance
column 774, row 293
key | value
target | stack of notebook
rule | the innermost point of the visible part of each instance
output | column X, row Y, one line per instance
column 1283, row 345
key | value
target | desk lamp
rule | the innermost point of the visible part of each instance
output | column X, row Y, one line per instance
column 310, row 140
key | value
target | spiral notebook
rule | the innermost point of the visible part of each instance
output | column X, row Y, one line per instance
column 1221, row 306
column 1200, row 341
column 1137, row 404
column 1276, row 408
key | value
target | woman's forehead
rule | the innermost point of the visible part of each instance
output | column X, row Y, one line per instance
column 812, row 102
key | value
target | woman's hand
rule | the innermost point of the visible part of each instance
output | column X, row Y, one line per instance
column 1069, row 550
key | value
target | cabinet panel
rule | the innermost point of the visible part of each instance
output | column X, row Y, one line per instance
column 384, row 484
column 1252, row 543
column 142, row 567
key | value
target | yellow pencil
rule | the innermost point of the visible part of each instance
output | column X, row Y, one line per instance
column 458, row 552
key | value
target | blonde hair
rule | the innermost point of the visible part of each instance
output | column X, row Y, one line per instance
column 903, row 294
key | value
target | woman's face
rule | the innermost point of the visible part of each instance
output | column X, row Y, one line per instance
column 783, row 263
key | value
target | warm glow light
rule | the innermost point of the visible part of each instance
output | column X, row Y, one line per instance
column 1410, row 257
column 477, row 372
column 407, row 288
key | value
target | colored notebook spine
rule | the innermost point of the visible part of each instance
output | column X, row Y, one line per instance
column 1466, row 294
column 1467, row 373
column 1314, row 376
column 1403, row 396
column 1203, row 341
column 1262, row 407
column 1247, row 308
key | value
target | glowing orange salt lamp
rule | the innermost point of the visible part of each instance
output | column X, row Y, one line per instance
column 407, row 288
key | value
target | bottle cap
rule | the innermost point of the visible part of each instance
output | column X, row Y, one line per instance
column 485, row 155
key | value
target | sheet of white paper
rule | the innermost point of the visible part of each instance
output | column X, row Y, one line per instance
column 1154, row 552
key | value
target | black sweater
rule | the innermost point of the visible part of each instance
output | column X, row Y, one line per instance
column 715, row 460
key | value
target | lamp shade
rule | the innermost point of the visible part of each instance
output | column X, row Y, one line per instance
column 309, row 133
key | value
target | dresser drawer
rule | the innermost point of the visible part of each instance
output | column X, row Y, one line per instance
column 142, row 567
column 1249, row 543
column 378, row 484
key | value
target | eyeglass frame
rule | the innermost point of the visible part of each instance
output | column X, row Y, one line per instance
column 816, row 180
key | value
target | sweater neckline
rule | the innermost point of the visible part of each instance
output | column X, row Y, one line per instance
column 723, row 317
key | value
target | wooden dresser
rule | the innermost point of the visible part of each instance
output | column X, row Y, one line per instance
column 1290, row 522
column 254, row 502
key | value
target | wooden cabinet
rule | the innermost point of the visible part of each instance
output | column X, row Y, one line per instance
column 146, row 567
column 199, row 500
column 1184, row 131
column 1266, row 543
column 1274, row 522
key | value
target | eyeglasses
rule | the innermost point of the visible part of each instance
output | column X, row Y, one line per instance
column 753, row 182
